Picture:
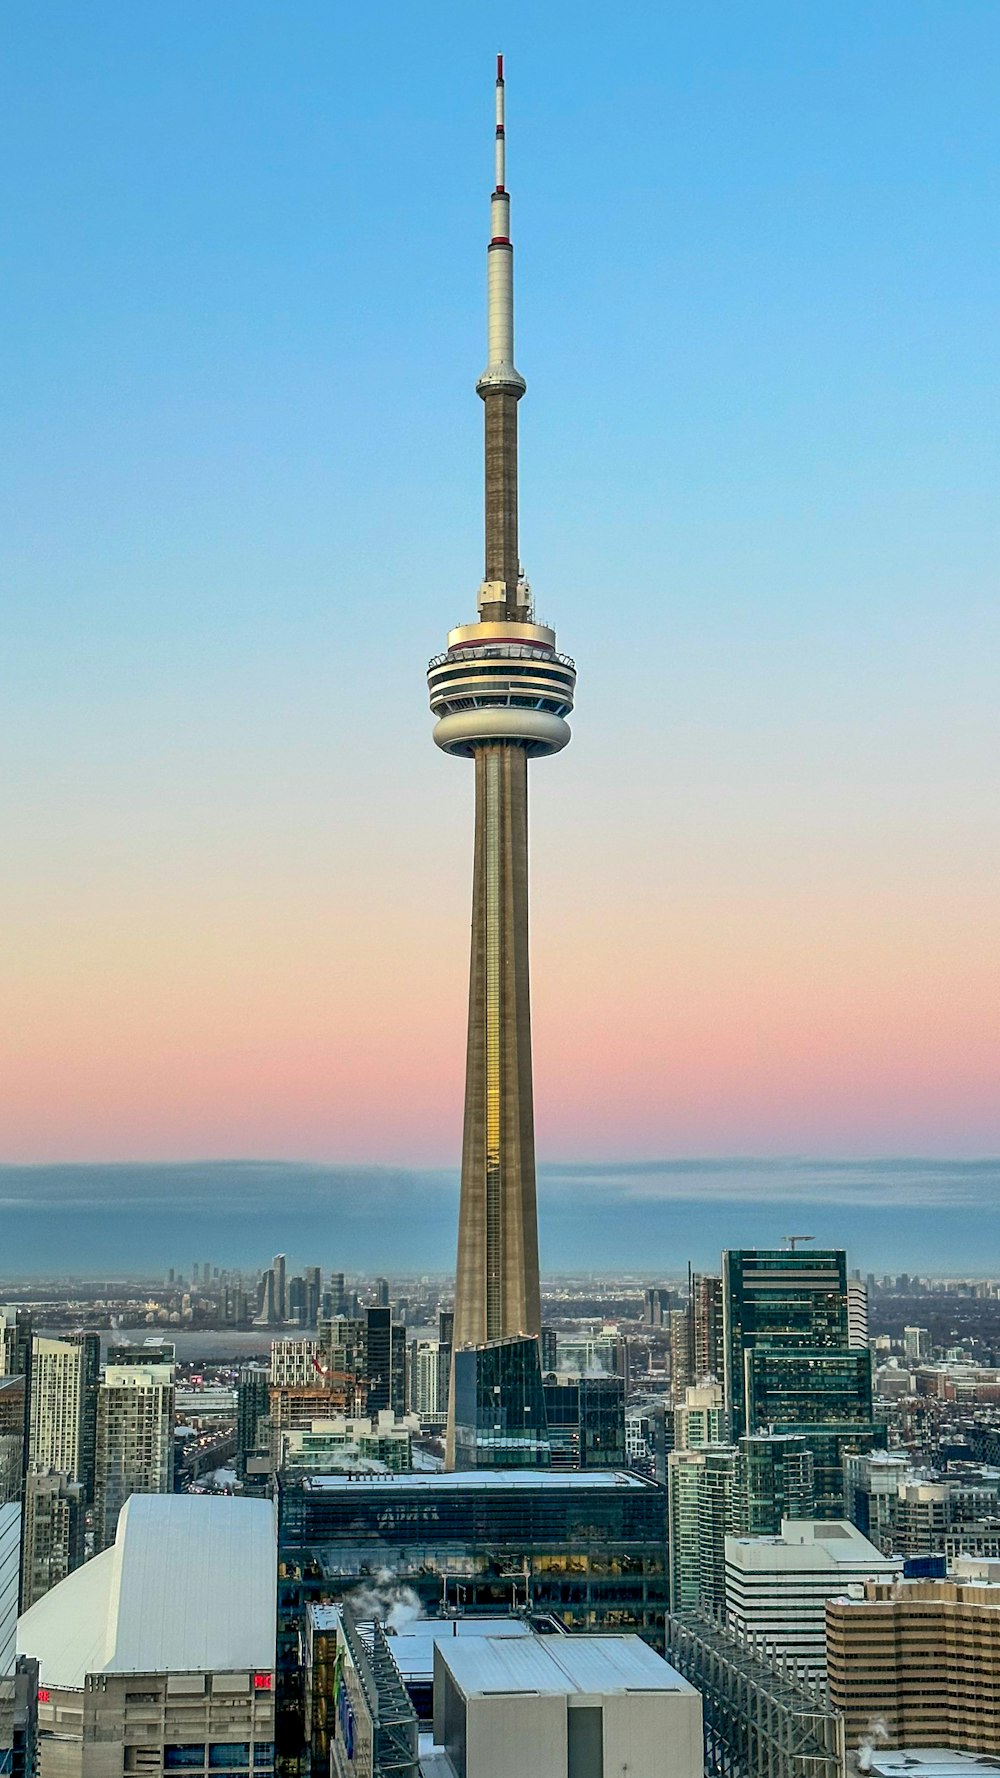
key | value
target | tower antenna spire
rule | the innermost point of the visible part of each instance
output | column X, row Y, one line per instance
column 501, row 387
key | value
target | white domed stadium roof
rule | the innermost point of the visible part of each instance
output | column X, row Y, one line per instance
column 189, row 1586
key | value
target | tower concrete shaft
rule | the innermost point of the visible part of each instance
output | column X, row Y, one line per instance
column 497, row 1291
column 501, row 694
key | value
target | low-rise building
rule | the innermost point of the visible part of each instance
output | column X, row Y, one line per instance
column 382, row 1442
column 562, row 1706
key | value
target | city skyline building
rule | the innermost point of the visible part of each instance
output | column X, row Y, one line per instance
column 919, row 1657
column 57, row 1406
column 135, row 1441
column 777, row 1586
column 500, row 695
column 790, row 1365
column 52, row 1532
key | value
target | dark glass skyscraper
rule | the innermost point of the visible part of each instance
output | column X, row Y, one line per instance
column 789, row 1365
column 499, row 1407
column 778, row 1297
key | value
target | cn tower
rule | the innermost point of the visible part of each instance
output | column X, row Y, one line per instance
column 500, row 695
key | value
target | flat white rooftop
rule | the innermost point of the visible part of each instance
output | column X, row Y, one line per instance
column 558, row 1665
column 189, row 1586
column 478, row 1481
column 808, row 1545
column 413, row 1645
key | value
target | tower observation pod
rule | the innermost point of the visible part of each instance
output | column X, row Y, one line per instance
column 500, row 694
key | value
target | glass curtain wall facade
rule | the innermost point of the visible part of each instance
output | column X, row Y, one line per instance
column 499, row 1409
column 591, row 1549
column 825, row 1398
column 776, row 1297
column 586, row 1422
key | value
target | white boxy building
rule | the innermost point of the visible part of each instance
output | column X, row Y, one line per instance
column 777, row 1587
column 561, row 1707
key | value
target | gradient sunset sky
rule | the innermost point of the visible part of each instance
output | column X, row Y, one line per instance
column 757, row 287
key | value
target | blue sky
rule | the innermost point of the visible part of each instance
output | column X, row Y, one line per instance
column 757, row 283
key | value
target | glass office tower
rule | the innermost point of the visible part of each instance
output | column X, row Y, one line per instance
column 778, row 1297
column 499, row 1408
column 789, row 1365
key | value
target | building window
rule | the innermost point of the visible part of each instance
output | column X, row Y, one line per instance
column 263, row 1753
column 183, row 1755
column 229, row 1755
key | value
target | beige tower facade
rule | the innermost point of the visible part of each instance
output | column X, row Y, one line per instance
column 921, row 1659
column 135, row 1441
column 501, row 695
column 57, row 1406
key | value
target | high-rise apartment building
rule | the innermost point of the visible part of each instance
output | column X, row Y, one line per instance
column 857, row 1313
column 774, row 1482
column 500, row 695
column 916, row 1344
column 297, row 1302
column 58, row 1405
column 701, row 1490
column 708, row 1351
column 135, row 1441
column 446, row 1340
column 267, row 1301
column 681, row 1353
column 312, row 1280
column 296, row 1362
column 53, row 1532
column 10, row 1557
column 279, row 1270
column 872, row 1480
column 700, row 1419
column 252, row 1407
column 90, row 1347
column 656, row 1305
column 424, row 1381
column 13, row 1400
column 385, row 1361
column 15, row 1341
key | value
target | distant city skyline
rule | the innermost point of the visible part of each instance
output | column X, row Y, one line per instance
column 757, row 300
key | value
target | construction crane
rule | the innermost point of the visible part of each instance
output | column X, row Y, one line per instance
column 793, row 1240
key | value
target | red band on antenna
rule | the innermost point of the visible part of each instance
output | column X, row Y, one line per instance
column 499, row 67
